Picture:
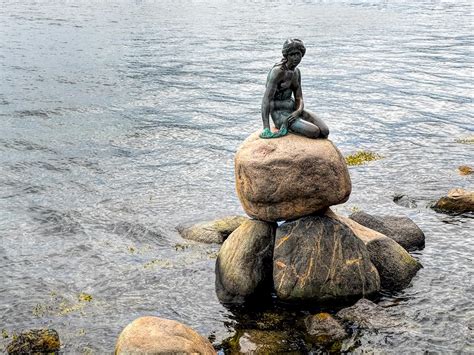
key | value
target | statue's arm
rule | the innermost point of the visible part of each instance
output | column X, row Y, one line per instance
column 298, row 93
column 267, row 101
column 299, row 103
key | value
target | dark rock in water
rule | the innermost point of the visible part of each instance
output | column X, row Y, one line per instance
column 404, row 201
column 401, row 229
column 153, row 335
column 323, row 329
column 215, row 231
column 317, row 258
column 35, row 341
column 457, row 201
column 367, row 315
column 395, row 265
column 244, row 264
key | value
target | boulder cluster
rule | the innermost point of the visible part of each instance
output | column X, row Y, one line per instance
column 295, row 245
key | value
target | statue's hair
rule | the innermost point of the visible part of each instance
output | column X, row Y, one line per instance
column 293, row 43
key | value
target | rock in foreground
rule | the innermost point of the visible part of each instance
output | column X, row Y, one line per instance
column 153, row 335
column 457, row 200
column 401, row 229
column 244, row 264
column 215, row 231
column 35, row 341
column 317, row 258
column 289, row 177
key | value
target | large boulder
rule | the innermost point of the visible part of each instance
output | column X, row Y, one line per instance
column 401, row 229
column 457, row 201
column 215, row 231
column 244, row 263
column 395, row 265
column 153, row 335
column 317, row 258
column 289, row 177
column 35, row 341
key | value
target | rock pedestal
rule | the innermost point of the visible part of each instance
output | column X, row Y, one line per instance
column 244, row 263
column 289, row 177
column 395, row 265
column 401, row 229
column 317, row 255
column 317, row 258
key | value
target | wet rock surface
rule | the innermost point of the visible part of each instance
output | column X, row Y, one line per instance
column 457, row 201
column 41, row 341
column 154, row 335
column 244, row 264
column 324, row 329
column 318, row 258
column 289, row 178
column 255, row 341
column 395, row 265
column 401, row 229
column 215, row 231
column 366, row 314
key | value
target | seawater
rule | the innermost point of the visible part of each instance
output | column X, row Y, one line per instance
column 120, row 120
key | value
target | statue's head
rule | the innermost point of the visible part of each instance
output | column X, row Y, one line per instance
column 292, row 44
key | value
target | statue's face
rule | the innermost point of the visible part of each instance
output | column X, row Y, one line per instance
column 294, row 58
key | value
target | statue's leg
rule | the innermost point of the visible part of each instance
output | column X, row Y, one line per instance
column 311, row 117
column 305, row 128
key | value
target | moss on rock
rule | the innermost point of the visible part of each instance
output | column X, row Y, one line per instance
column 361, row 157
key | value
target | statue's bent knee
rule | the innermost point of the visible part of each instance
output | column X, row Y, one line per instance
column 324, row 132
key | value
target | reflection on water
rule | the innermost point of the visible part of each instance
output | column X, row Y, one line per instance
column 120, row 121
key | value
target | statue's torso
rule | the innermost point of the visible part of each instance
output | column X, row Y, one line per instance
column 285, row 88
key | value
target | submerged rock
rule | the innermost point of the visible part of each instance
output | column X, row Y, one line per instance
column 457, row 200
column 366, row 314
column 405, row 201
column 215, row 231
column 323, row 329
column 290, row 177
column 317, row 258
column 153, row 335
column 395, row 265
column 244, row 264
column 253, row 341
column 35, row 341
column 401, row 229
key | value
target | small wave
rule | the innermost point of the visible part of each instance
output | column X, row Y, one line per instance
column 56, row 222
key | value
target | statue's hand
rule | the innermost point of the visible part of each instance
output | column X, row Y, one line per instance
column 266, row 133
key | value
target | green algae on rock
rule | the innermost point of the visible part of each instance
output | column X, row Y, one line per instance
column 35, row 341
column 466, row 140
column 361, row 157
column 465, row 170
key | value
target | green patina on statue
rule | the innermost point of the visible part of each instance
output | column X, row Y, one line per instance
column 288, row 113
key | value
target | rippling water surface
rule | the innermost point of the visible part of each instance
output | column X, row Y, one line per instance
column 120, row 120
